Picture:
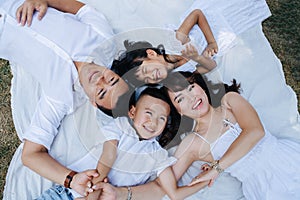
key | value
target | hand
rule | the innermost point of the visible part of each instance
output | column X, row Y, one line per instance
column 82, row 180
column 25, row 11
column 205, row 167
column 183, row 38
column 108, row 191
column 211, row 49
column 190, row 52
column 209, row 175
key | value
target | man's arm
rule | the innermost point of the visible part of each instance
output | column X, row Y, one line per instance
column 25, row 11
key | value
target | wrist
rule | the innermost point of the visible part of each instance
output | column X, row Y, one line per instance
column 216, row 165
column 121, row 193
column 69, row 179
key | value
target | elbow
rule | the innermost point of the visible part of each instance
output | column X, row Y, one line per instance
column 25, row 158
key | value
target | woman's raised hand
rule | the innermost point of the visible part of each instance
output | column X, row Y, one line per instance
column 25, row 12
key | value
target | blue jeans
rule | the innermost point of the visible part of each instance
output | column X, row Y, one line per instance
column 56, row 192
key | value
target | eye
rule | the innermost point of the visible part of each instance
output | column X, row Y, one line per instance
column 163, row 118
column 190, row 87
column 149, row 113
column 179, row 100
column 101, row 93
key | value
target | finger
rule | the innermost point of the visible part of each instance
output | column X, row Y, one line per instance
column 91, row 172
column 105, row 180
column 19, row 13
column 88, row 190
column 42, row 11
column 29, row 15
column 89, row 184
column 211, row 182
column 99, row 185
column 23, row 17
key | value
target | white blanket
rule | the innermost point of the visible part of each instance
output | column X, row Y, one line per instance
column 251, row 61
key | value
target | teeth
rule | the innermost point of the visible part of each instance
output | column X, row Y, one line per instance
column 149, row 129
column 197, row 104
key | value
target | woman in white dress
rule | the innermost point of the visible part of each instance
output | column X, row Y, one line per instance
column 230, row 136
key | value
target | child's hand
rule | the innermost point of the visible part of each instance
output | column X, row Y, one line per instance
column 81, row 180
column 190, row 52
column 183, row 38
column 205, row 167
column 211, row 49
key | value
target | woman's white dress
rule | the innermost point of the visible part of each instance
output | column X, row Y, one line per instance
column 269, row 171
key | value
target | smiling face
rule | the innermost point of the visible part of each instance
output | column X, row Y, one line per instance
column 102, row 86
column 191, row 102
column 149, row 116
column 154, row 68
column 152, row 71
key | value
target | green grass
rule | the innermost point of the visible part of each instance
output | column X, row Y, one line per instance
column 282, row 30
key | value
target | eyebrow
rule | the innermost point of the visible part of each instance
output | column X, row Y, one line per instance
column 177, row 97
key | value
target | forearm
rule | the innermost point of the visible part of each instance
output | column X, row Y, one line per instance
column 205, row 64
column 204, row 26
column 43, row 164
column 69, row 6
column 252, row 129
column 240, row 147
column 148, row 191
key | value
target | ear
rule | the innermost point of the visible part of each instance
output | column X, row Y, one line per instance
column 151, row 53
column 131, row 112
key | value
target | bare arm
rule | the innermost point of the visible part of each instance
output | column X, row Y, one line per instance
column 25, row 12
column 252, row 129
column 104, row 165
column 169, row 183
column 51, row 169
column 197, row 17
column 252, row 132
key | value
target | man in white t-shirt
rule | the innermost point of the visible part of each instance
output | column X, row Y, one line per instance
column 56, row 52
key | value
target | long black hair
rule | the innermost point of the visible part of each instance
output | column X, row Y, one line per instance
column 177, row 81
column 134, row 55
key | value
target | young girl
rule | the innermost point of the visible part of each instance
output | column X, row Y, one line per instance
column 151, row 65
column 132, row 154
column 231, row 137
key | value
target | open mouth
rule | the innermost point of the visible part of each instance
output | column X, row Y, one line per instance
column 149, row 129
column 197, row 104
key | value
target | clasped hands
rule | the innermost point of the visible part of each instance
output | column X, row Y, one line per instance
column 208, row 174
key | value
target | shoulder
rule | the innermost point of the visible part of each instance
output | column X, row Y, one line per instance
column 231, row 99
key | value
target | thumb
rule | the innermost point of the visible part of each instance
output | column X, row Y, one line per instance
column 91, row 172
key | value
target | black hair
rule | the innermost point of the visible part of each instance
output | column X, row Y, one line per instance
column 160, row 92
column 178, row 81
column 134, row 54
